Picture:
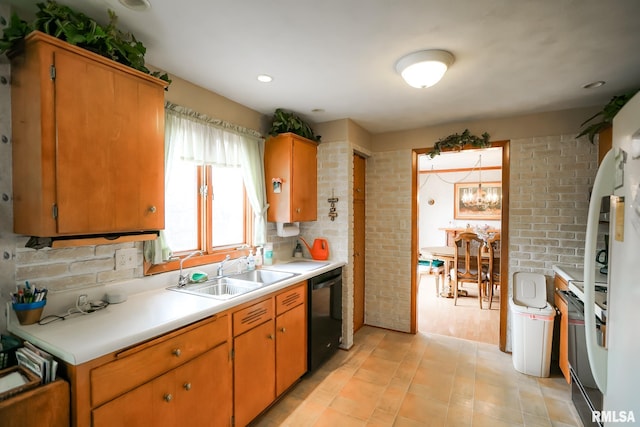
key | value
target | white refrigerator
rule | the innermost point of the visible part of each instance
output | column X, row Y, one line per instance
column 616, row 368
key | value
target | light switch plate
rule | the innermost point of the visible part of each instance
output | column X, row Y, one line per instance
column 126, row 258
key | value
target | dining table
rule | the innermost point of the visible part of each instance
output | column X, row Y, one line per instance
column 447, row 254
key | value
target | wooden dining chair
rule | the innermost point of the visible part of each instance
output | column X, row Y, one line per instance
column 466, row 267
column 493, row 274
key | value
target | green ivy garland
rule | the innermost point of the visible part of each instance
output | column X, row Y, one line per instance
column 458, row 141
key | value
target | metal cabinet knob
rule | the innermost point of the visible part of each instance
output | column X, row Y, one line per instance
column 283, row 330
column 177, row 352
column 187, row 386
column 168, row 397
column 271, row 336
column 152, row 209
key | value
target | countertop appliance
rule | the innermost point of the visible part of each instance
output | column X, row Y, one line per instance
column 615, row 367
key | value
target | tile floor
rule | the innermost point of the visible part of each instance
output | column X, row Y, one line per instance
column 394, row 379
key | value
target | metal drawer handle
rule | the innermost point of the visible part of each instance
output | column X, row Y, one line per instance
column 187, row 386
column 177, row 352
column 168, row 397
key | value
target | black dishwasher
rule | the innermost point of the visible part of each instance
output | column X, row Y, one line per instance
column 324, row 317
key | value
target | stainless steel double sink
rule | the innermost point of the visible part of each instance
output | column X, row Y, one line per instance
column 229, row 287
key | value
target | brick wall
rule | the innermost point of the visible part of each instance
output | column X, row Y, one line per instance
column 388, row 240
column 549, row 188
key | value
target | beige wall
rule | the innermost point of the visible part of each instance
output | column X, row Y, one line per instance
column 565, row 122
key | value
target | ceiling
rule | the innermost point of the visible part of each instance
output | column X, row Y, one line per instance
column 512, row 57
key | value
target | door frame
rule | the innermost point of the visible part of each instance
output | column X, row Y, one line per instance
column 504, row 236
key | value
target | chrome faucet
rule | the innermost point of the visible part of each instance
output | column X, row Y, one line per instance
column 225, row 260
column 182, row 279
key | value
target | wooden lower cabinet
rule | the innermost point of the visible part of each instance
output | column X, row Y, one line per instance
column 47, row 405
column 272, row 355
column 563, row 353
column 221, row 371
column 177, row 397
column 254, row 373
column 291, row 347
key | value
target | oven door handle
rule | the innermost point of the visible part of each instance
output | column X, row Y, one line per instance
column 603, row 186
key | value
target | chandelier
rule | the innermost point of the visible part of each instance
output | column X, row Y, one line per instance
column 479, row 197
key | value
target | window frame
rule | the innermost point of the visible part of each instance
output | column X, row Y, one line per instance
column 204, row 217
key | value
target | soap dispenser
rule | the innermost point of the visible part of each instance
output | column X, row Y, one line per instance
column 297, row 252
column 251, row 261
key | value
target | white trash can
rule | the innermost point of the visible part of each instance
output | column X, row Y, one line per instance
column 532, row 324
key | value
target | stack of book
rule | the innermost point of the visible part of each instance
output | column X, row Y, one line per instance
column 37, row 361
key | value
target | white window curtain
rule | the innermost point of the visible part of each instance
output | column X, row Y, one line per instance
column 190, row 136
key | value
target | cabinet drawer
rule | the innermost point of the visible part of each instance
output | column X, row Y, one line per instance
column 291, row 298
column 245, row 319
column 133, row 368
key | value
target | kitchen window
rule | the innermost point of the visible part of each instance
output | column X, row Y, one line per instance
column 214, row 191
column 206, row 209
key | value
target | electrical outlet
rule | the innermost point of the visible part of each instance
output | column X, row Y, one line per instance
column 126, row 258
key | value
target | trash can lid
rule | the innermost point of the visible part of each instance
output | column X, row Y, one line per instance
column 530, row 289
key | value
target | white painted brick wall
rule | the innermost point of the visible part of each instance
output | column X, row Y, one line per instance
column 549, row 189
column 388, row 240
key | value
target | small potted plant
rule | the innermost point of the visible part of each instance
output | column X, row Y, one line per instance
column 606, row 116
column 285, row 121
column 77, row 29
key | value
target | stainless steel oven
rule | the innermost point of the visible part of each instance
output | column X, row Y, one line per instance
column 584, row 392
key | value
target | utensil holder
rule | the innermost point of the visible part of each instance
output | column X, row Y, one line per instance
column 29, row 313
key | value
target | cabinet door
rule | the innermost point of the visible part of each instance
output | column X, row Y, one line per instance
column 254, row 372
column 109, row 148
column 203, row 389
column 304, row 201
column 291, row 160
column 149, row 404
column 291, row 347
column 563, row 354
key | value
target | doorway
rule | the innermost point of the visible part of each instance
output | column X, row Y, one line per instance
column 438, row 187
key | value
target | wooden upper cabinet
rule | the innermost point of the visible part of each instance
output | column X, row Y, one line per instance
column 88, row 143
column 291, row 177
column 605, row 142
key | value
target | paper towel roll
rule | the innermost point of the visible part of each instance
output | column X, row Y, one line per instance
column 287, row 229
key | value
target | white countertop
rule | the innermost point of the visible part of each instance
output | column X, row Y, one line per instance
column 145, row 315
column 577, row 274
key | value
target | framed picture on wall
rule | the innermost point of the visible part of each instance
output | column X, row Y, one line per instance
column 473, row 200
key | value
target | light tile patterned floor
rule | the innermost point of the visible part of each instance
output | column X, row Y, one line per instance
column 395, row 379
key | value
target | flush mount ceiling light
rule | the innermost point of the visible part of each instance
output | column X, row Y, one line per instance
column 264, row 78
column 424, row 68
column 138, row 5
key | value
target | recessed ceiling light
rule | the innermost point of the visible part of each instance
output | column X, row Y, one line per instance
column 264, row 78
column 594, row 84
column 138, row 5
